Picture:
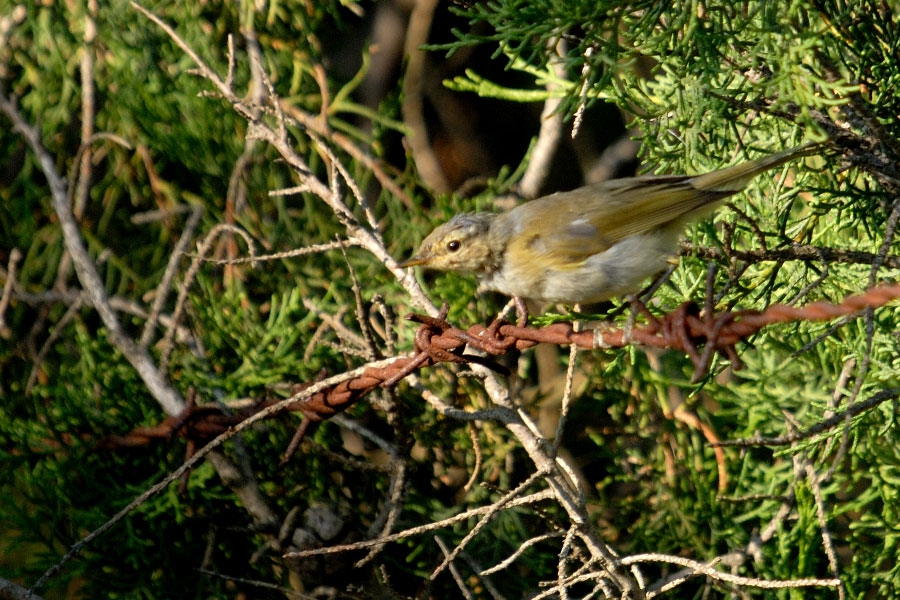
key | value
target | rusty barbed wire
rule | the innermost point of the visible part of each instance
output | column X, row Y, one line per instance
column 685, row 329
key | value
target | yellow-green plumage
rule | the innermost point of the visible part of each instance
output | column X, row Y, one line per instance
column 589, row 244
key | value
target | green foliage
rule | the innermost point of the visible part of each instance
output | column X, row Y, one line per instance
column 703, row 84
column 708, row 83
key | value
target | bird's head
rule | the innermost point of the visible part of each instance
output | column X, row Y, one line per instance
column 462, row 244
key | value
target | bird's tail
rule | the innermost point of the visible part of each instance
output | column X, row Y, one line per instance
column 731, row 180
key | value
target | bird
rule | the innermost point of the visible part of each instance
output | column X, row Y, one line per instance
column 589, row 244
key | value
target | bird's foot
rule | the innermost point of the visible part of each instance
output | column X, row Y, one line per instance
column 521, row 311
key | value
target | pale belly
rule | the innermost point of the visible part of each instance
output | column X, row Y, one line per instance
column 621, row 269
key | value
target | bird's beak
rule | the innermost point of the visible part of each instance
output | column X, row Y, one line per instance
column 415, row 261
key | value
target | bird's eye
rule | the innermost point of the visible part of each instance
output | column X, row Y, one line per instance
column 453, row 245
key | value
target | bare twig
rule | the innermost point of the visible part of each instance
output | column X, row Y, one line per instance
column 822, row 426
column 88, row 109
column 58, row 329
column 202, row 453
column 495, row 508
column 422, row 529
column 203, row 249
column 414, row 96
column 13, row 591
column 161, row 389
column 165, row 284
column 15, row 255
column 356, row 233
column 708, row 570
column 8, row 22
column 509, row 560
column 815, row 483
column 796, row 252
column 550, row 132
column 457, row 576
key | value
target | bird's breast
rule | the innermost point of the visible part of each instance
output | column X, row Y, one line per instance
column 619, row 269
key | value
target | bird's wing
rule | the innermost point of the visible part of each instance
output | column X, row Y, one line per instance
column 569, row 227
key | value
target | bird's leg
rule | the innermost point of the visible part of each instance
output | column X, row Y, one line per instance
column 521, row 311
column 577, row 323
column 637, row 307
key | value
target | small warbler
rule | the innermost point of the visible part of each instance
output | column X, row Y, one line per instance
column 590, row 244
